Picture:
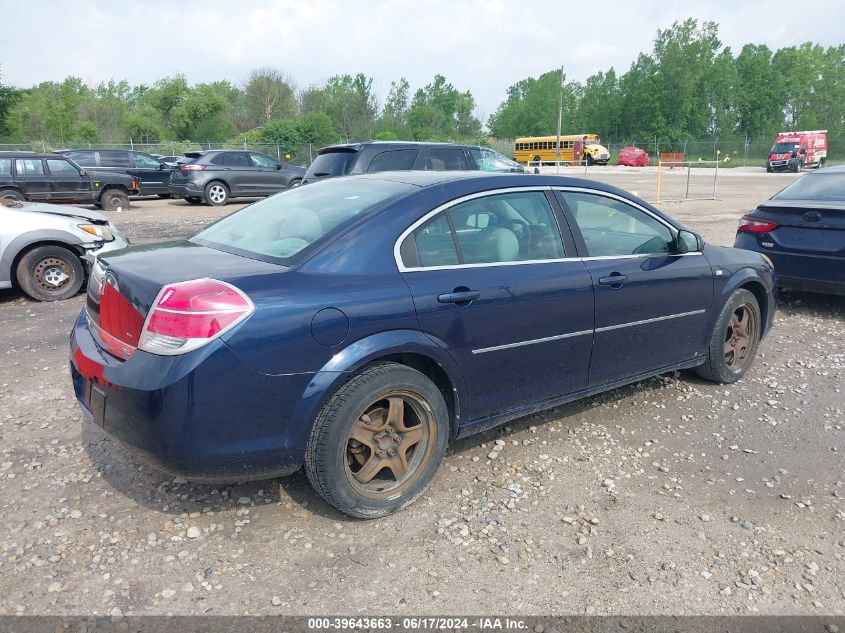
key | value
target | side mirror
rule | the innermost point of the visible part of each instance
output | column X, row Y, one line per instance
column 803, row 151
column 82, row 173
column 688, row 242
column 278, row 165
column 162, row 166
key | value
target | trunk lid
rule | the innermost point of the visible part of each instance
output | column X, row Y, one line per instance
column 804, row 226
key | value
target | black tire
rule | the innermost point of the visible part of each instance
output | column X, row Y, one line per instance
column 50, row 273
column 360, row 478
column 12, row 194
column 735, row 338
column 193, row 200
column 114, row 199
column 821, row 163
column 296, row 182
column 164, row 196
column 536, row 159
column 589, row 160
column 216, row 193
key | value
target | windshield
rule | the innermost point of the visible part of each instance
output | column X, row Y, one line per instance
column 593, row 141
column 819, row 186
column 488, row 160
column 278, row 228
column 783, row 148
column 333, row 163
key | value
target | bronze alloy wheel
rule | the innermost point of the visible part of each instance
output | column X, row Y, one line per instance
column 390, row 444
column 740, row 337
column 52, row 274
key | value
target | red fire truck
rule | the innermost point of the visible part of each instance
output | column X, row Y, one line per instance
column 794, row 151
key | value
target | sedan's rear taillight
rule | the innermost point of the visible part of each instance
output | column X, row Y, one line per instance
column 748, row 224
column 191, row 167
column 189, row 314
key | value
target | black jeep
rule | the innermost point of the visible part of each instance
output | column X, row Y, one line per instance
column 55, row 178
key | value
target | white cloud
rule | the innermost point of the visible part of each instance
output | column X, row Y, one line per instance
column 482, row 46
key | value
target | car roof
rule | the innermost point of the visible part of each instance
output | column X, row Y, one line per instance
column 13, row 154
column 392, row 144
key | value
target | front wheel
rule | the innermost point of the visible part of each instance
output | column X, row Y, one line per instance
column 378, row 442
column 50, row 273
column 735, row 338
column 113, row 199
column 589, row 160
column 216, row 194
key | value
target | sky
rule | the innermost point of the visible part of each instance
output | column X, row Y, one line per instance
column 481, row 46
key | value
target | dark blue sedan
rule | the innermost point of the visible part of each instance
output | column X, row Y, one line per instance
column 802, row 230
column 360, row 324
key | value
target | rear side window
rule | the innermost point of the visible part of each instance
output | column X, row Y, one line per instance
column 819, row 186
column 509, row 227
column 86, row 159
column 397, row 160
column 231, row 159
column 115, row 159
column 5, row 166
column 446, row 160
column 29, row 166
column 333, row 163
column 60, row 167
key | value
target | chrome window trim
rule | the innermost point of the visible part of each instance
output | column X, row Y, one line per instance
column 447, row 205
column 608, row 328
column 547, row 339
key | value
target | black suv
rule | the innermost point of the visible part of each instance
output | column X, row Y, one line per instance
column 152, row 174
column 55, row 178
column 361, row 158
column 216, row 175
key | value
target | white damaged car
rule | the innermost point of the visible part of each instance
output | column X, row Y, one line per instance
column 43, row 247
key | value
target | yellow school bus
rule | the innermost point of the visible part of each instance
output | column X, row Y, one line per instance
column 573, row 148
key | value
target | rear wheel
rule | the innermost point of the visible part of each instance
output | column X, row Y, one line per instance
column 378, row 442
column 216, row 193
column 11, row 194
column 294, row 183
column 733, row 343
column 114, row 199
column 50, row 273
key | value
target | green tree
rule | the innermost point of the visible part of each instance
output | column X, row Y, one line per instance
column 440, row 111
column 269, row 94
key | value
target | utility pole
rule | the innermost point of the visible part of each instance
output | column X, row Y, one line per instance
column 559, row 120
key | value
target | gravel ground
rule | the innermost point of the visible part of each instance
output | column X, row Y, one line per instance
column 672, row 496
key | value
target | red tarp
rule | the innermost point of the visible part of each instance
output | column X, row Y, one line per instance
column 632, row 157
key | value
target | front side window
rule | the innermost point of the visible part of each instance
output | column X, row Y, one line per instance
column 613, row 228
column 510, row 227
column 60, row 167
column 146, row 162
column 29, row 166
column 278, row 228
column 262, row 161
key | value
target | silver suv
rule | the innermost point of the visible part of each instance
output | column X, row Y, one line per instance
column 42, row 246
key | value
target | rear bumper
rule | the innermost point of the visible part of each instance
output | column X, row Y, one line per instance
column 206, row 415
column 185, row 190
column 798, row 271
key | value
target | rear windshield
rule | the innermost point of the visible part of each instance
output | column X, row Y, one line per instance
column 819, row 186
column 278, row 228
column 333, row 163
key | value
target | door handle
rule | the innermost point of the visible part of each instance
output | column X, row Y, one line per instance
column 461, row 296
column 614, row 280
